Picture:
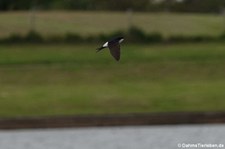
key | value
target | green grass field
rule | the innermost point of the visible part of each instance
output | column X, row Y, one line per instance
column 73, row 79
column 85, row 23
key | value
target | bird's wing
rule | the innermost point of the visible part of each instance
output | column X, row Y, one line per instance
column 115, row 50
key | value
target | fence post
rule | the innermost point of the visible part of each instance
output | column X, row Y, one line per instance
column 129, row 18
column 33, row 18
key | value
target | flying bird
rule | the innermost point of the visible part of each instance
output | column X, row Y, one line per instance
column 114, row 47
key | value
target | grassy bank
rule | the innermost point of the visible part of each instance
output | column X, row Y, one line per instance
column 73, row 79
column 86, row 23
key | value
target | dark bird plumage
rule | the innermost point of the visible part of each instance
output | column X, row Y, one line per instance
column 114, row 47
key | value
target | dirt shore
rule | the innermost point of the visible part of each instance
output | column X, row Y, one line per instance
column 113, row 120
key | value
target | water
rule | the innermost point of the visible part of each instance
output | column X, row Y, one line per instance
column 142, row 137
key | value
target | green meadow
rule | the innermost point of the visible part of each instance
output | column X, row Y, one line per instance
column 72, row 79
column 49, row 23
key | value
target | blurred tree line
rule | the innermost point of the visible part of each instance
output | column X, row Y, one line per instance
column 204, row 6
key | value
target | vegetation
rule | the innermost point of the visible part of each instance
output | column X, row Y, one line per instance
column 205, row 6
column 49, row 25
column 133, row 35
column 73, row 79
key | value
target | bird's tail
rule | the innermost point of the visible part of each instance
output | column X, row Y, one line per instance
column 99, row 49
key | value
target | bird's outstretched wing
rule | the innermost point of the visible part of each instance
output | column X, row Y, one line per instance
column 115, row 50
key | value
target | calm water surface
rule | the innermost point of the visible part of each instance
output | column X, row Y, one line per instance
column 142, row 137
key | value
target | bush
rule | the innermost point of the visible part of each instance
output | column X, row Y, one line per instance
column 181, row 38
column 17, row 38
column 222, row 36
column 55, row 39
column 33, row 37
column 154, row 37
column 71, row 38
column 136, row 34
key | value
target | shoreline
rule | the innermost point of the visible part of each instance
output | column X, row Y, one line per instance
column 172, row 118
